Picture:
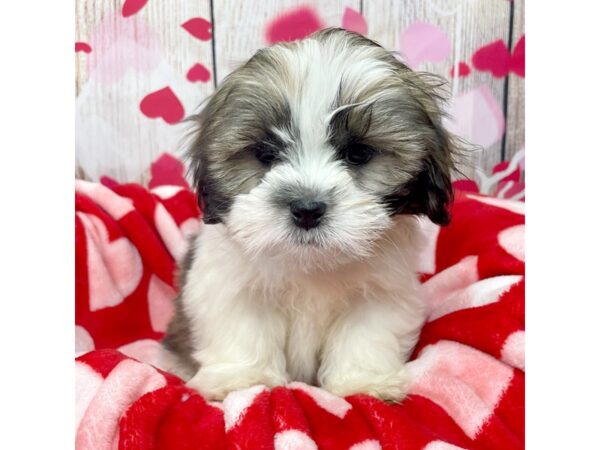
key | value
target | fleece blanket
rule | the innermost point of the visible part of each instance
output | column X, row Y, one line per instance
column 468, row 367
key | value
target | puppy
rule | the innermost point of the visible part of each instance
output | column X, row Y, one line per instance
column 312, row 162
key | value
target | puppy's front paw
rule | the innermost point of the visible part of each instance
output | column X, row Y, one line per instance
column 215, row 382
column 385, row 386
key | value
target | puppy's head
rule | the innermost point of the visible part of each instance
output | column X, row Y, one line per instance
column 309, row 150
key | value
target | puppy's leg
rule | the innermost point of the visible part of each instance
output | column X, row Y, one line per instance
column 367, row 348
column 240, row 347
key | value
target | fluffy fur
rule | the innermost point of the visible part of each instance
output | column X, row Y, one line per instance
column 334, row 119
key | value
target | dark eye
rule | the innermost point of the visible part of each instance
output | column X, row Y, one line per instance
column 264, row 153
column 359, row 154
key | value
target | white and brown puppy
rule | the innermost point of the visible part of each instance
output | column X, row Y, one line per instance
column 311, row 162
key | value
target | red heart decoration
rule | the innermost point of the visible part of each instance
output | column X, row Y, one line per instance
column 517, row 62
column 164, row 104
column 493, row 58
column 130, row 7
column 496, row 58
column 293, row 25
column 198, row 73
column 199, row 28
column 83, row 47
column 463, row 70
column 167, row 170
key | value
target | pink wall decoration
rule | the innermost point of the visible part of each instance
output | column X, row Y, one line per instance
column 142, row 66
column 422, row 42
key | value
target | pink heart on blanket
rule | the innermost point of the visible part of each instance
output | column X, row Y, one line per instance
column 114, row 267
column 424, row 42
column 130, row 7
column 198, row 72
column 293, row 25
column 164, row 104
column 354, row 21
column 199, row 28
column 160, row 303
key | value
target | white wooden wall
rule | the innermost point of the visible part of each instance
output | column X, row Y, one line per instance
column 114, row 139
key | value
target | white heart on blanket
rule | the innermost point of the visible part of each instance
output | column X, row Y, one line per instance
column 114, row 267
column 512, row 240
column 441, row 445
column 294, row 440
column 369, row 444
column 83, row 341
column 144, row 350
column 331, row 403
column 237, row 403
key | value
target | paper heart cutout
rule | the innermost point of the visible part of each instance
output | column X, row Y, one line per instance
column 167, row 171
column 198, row 72
column 463, row 70
column 199, row 28
column 130, row 7
column 496, row 58
column 293, row 25
column 518, row 58
column 354, row 21
column 164, row 104
column 83, row 47
column 422, row 42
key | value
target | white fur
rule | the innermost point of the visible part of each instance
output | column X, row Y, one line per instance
column 259, row 323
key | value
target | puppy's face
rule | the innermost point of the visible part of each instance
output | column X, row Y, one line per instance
column 309, row 150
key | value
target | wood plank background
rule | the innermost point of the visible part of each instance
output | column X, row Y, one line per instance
column 114, row 139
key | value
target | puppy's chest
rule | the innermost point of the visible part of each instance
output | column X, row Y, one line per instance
column 308, row 317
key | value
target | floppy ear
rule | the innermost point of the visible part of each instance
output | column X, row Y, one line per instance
column 430, row 192
column 208, row 199
column 205, row 126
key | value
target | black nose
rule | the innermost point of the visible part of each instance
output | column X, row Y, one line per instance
column 307, row 214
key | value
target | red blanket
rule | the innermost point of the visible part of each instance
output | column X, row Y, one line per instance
column 468, row 368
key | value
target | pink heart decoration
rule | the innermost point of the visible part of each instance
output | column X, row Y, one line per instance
column 495, row 58
column 354, row 21
column 130, row 7
column 164, row 104
column 199, row 28
column 477, row 117
column 83, row 47
column 293, row 25
column 463, row 70
column 122, row 45
column 198, row 73
column 422, row 42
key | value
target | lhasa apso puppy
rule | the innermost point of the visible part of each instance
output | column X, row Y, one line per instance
column 312, row 162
